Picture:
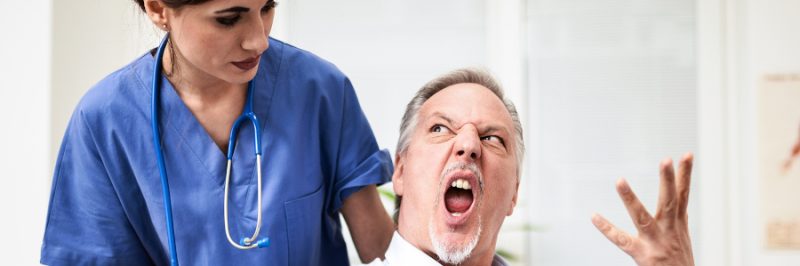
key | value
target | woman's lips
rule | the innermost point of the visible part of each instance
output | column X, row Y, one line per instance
column 247, row 64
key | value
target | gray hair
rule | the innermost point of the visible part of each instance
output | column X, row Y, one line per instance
column 464, row 75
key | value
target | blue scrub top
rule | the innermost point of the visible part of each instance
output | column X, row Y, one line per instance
column 106, row 203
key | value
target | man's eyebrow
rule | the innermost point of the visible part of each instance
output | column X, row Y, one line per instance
column 236, row 9
column 494, row 128
column 487, row 129
column 442, row 116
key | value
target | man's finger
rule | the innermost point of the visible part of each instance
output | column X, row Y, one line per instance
column 620, row 238
column 641, row 218
column 667, row 196
column 683, row 183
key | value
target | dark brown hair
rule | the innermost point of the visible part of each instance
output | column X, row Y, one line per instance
column 173, row 3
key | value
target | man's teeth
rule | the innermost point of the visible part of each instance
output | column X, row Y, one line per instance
column 461, row 183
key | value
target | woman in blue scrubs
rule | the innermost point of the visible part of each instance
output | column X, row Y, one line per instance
column 320, row 156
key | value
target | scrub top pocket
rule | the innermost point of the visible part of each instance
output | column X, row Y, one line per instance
column 303, row 216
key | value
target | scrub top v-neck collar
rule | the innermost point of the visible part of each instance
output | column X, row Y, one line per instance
column 176, row 118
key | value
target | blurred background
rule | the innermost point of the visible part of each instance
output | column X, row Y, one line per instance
column 606, row 89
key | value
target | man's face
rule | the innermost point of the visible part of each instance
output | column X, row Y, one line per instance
column 458, row 176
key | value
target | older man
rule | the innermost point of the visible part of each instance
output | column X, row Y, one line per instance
column 457, row 176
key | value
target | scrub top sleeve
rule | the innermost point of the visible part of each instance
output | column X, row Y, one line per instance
column 86, row 224
column 360, row 162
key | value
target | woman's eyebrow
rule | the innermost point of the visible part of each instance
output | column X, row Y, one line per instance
column 236, row 9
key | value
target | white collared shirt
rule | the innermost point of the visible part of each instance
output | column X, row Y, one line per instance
column 401, row 252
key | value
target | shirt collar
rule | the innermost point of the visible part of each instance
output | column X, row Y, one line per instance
column 401, row 252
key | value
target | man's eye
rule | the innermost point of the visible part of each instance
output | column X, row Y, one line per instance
column 228, row 21
column 439, row 129
column 493, row 138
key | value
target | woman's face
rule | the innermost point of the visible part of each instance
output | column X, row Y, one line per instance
column 220, row 40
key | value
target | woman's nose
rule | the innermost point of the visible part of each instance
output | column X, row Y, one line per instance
column 257, row 37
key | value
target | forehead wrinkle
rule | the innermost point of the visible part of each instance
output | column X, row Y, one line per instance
column 481, row 126
column 483, row 116
column 453, row 122
column 437, row 114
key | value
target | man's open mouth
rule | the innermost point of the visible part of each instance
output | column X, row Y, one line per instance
column 459, row 196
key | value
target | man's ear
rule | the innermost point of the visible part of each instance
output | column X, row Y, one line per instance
column 397, row 176
column 157, row 12
column 514, row 199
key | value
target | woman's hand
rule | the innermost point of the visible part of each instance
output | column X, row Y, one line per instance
column 663, row 239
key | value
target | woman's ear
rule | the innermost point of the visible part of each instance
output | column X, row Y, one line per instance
column 157, row 12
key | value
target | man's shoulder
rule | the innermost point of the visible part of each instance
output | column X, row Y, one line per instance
column 499, row 261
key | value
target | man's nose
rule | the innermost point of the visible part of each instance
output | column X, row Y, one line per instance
column 468, row 144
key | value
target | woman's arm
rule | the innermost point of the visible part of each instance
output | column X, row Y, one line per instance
column 370, row 226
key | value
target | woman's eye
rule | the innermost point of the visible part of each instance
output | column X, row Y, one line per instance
column 439, row 129
column 493, row 138
column 228, row 21
column 269, row 6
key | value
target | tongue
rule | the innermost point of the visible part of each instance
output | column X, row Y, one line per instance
column 457, row 200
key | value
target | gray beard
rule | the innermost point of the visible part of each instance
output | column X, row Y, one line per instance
column 451, row 253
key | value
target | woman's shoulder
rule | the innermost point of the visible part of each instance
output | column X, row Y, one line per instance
column 298, row 60
column 119, row 90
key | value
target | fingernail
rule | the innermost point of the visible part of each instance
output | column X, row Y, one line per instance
column 623, row 187
column 596, row 219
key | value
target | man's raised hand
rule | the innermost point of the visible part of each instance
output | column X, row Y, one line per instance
column 662, row 239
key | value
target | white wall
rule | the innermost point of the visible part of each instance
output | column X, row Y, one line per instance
column 770, row 45
column 740, row 41
column 612, row 93
column 91, row 39
column 712, row 241
column 25, row 114
column 389, row 49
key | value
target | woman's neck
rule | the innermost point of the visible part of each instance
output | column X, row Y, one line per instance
column 215, row 103
column 194, row 85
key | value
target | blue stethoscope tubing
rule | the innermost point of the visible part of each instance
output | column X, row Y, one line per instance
column 247, row 114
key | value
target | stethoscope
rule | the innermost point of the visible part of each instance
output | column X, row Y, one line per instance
column 247, row 114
